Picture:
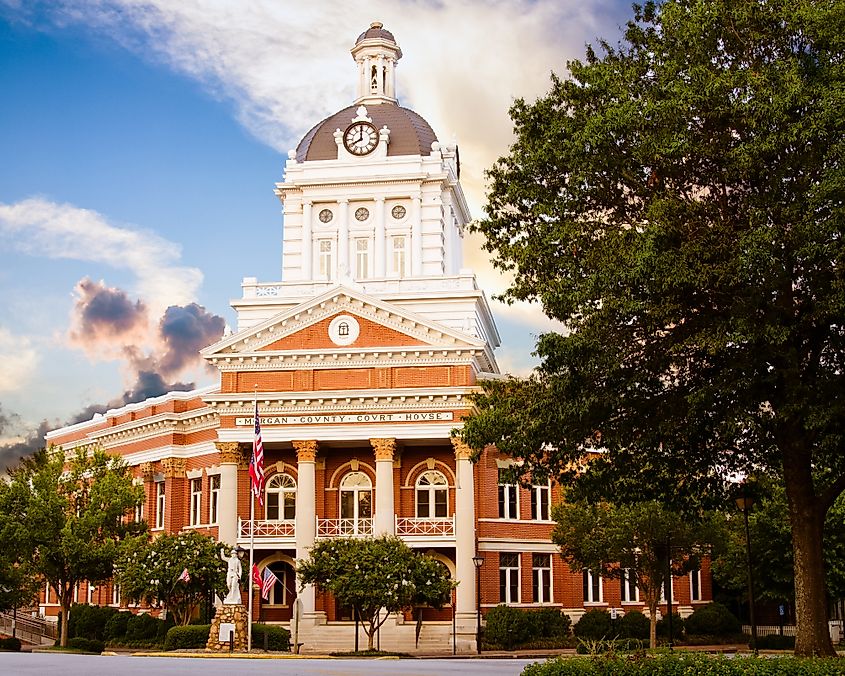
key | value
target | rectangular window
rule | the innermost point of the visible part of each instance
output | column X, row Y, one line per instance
column 115, row 594
column 362, row 258
column 695, row 585
column 89, row 596
column 671, row 584
column 508, row 577
column 629, row 592
column 214, row 483
column 278, row 593
column 139, row 511
column 541, row 577
column 399, row 255
column 47, row 593
column 326, row 261
column 196, row 502
column 540, row 502
column 159, row 504
column 508, row 497
column 592, row 587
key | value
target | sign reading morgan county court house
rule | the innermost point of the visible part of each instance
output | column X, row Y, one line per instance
column 348, row 418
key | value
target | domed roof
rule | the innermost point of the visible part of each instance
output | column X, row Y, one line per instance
column 376, row 31
column 410, row 134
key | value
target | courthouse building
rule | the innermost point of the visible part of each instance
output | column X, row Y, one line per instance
column 361, row 360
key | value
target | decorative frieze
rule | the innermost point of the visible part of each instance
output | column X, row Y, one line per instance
column 384, row 448
column 306, row 451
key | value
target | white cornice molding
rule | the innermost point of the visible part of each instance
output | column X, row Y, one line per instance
column 171, row 451
column 357, row 432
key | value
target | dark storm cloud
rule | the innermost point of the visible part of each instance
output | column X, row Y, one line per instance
column 11, row 453
column 105, row 314
column 185, row 331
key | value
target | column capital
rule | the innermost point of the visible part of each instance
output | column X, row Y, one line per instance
column 384, row 448
column 306, row 450
column 462, row 450
column 147, row 470
column 174, row 468
column 230, row 452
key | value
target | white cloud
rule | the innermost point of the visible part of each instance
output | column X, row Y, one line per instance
column 19, row 360
column 43, row 228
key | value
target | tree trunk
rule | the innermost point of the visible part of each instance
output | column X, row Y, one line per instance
column 65, row 620
column 652, row 622
column 807, row 522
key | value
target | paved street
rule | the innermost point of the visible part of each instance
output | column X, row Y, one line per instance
column 25, row 664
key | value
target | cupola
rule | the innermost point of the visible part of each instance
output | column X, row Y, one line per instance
column 376, row 54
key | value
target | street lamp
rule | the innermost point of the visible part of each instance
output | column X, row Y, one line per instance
column 744, row 501
column 477, row 561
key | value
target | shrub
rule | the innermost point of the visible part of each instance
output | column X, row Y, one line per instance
column 278, row 638
column 685, row 663
column 594, row 624
column 549, row 623
column 678, row 626
column 88, row 645
column 116, row 626
column 714, row 619
column 11, row 644
column 634, row 625
column 192, row 636
column 775, row 642
column 507, row 627
column 90, row 621
column 142, row 628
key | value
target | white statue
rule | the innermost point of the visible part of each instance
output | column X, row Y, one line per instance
column 233, row 578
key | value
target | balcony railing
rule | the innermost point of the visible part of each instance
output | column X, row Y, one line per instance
column 407, row 527
column 266, row 529
column 336, row 528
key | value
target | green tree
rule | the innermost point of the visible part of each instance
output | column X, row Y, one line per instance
column 151, row 571
column 678, row 203
column 643, row 539
column 18, row 582
column 71, row 517
column 371, row 574
column 772, row 561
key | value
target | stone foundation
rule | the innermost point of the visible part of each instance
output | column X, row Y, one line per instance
column 228, row 614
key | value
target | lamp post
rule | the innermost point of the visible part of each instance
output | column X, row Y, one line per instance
column 477, row 562
column 744, row 501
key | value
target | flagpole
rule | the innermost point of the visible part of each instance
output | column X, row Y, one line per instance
column 251, row 535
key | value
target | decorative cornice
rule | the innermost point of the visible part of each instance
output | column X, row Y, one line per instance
column 306, row 450
column 157, row 425
column 174, row 468
column 384, row 448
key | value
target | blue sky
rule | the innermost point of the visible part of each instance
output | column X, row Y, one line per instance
column 140, row 141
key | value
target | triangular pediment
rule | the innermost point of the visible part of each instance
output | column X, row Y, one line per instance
column 309, row 327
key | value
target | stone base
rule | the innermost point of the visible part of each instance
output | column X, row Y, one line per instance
column 228, row 614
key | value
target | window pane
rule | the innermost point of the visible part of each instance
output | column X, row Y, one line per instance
column 440, row 503
column 290, row 505
column 365, row 507
column 272, row 506
column 422, row 503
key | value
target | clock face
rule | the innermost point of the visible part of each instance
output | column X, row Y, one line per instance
column 360, row 138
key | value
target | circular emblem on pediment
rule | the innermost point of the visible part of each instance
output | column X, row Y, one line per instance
column 344, row 330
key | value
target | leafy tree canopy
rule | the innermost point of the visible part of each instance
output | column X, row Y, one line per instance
column 150, row 571
column 375, row 574
column 70, row 517
column 678, row 203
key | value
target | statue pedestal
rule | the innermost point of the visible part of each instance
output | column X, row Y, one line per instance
column 229, row 617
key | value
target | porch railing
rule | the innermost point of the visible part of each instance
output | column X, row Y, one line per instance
column 334, row 528
column 410, row 527
column 266, row 529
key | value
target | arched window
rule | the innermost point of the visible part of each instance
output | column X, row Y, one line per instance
column 356, row 496
column 281, row 498
column 432, row 495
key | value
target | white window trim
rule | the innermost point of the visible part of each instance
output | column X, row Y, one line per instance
column 431, row 490
column 550, row 572
column 593, row 602
column 161, row 504
column 511, row 571
column 195, row 511
column 508, row 487
column 697, row 573
column 636, row 599
column 213, row 500
column 536, row 491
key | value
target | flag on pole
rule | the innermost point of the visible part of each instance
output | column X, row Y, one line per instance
column 256, row 576
column 185, row 576
column 267, row 583
column 256, row 464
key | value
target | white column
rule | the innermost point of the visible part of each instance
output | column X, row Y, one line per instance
column 307, row 255
column 343, row 270
column 464, row 533
column 390, row 85
column 449, row 243
column 384, row 521
column 227, row 505
column 416, row 237
column 378, row 247
column 306, row 511
column 368, row 76
column 381, row 74
column 362, row 78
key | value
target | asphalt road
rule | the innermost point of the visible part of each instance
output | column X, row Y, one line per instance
column 40, row 664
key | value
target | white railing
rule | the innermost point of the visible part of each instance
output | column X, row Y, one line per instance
column 335, row 528
column 266, row 529
column 408, row 527
column 770, row 630
column 29, row 629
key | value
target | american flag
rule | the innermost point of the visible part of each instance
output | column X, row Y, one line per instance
column 185, row 576
column 267, row 583
column 256, row 464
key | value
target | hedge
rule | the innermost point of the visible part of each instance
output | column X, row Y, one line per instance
column 594, row 624
column 508, row 627
column 146, row 627
column 686, row 663
column 116, row 626
column 634, row 625
column 89, row 621
column 678, row 626
column 714, row 619
column 88, row 645
column 191, row 636
column 278, row 638
column 775, row 642
column 11, row 644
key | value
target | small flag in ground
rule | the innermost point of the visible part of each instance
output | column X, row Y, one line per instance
column 185, row 576
column 267, row 583
column 256, row 575
column 256, row 463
